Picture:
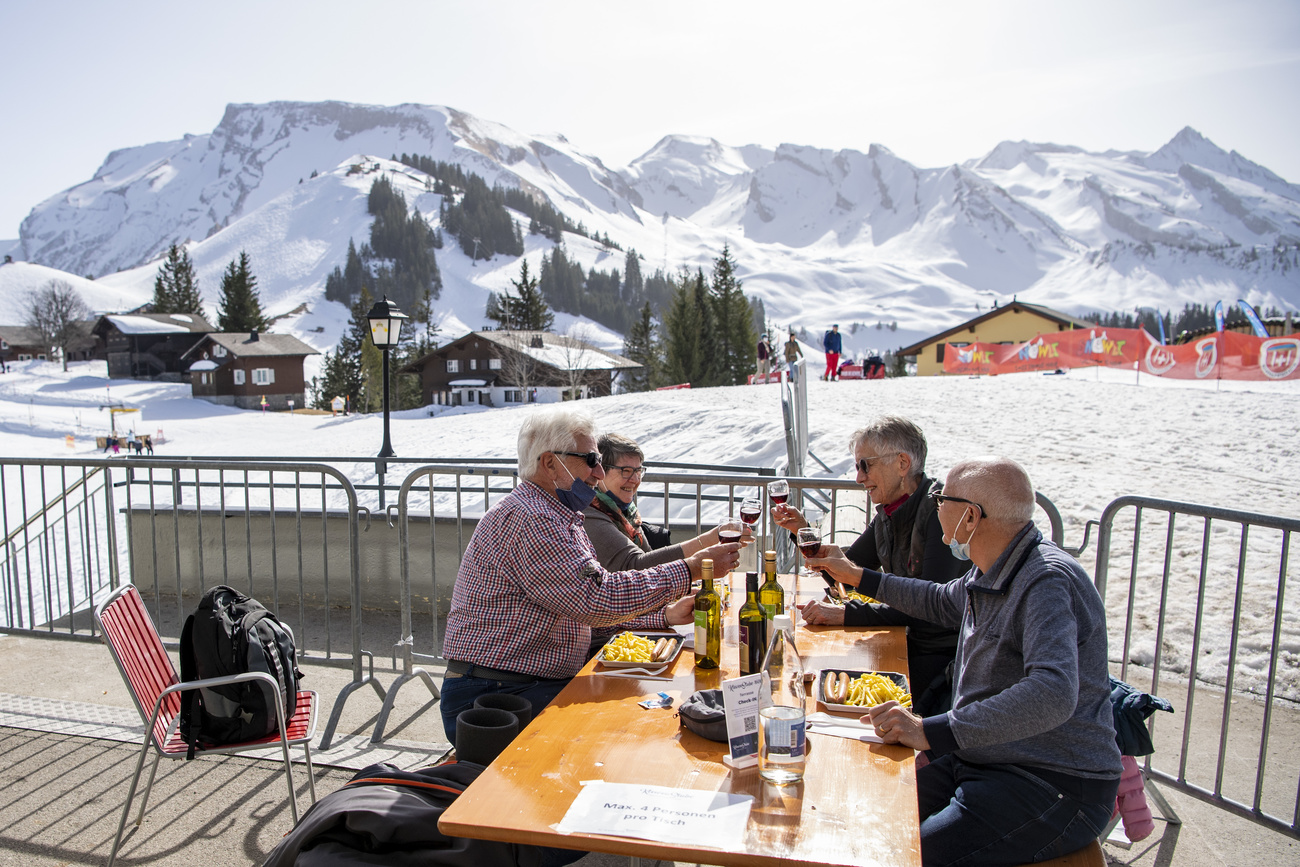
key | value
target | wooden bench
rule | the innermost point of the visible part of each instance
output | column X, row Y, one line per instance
column 1088, row 856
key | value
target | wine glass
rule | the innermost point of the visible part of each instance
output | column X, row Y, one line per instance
column 809, row 541
column 750, row 510
column 778, row 492
column 730, row 530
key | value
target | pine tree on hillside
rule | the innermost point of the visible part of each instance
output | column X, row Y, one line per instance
column 642, row 346
column 528, row 309
column 734, row 321
column 176, row 288
column 688, row 334
column 240, row 308
column 633, row 282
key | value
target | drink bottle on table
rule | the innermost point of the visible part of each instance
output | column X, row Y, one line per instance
column 771, row 596
column 708, row 621
column 782, row 747
column 753, row 628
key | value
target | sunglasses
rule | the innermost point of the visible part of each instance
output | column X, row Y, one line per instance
column 628, row 473
column 941, row 498
column 592, row 458
column 865, row 464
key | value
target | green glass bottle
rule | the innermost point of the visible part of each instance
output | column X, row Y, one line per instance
column 753, row 628
column 770, row 595
column 708, row 621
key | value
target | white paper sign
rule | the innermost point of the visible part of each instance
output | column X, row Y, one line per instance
column 659, row 813
column 741, row 699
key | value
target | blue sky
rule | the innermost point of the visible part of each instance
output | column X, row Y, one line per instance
column 935, row 82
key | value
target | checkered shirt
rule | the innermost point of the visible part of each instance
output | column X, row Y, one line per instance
column 530, row 589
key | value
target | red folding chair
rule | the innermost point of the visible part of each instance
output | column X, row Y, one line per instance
column 151, row 678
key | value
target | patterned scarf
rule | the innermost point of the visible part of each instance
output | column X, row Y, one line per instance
column 625, row 517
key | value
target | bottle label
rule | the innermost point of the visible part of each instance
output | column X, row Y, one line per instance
column 785, row 739
column 744, row 649
column 701, row 632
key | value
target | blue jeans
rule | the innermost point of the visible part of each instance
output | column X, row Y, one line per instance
column 459, row 692
column 1003, row 814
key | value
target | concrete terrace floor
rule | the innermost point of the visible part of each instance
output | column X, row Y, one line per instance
column 69, row 738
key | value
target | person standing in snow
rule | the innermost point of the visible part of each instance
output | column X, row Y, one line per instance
column 833, row 344
column 792, row 352
column 764, row 357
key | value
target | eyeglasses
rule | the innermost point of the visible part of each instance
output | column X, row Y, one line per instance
column 592, row 458
column 940, row 498
column 865, row 464
column 628, row 473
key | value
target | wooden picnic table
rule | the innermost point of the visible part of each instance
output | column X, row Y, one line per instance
column 855, row 806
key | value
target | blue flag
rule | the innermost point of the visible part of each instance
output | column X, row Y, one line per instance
column 1255, row 323
column 1160, row 320
column 1218, row 315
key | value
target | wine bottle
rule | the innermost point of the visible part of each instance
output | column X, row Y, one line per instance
column 753, row 628
column 770, row 595
column 708, row 621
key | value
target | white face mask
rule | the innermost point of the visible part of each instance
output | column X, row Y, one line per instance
column 961, row 550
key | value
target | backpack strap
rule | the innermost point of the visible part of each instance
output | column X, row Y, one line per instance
column 191, row 716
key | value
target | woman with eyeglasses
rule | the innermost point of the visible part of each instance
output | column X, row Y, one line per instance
column 903, row 538
column 613, row 523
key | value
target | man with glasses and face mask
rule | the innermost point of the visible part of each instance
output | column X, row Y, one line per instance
column 903, row 538
column 530, row 588
column 1025, row 766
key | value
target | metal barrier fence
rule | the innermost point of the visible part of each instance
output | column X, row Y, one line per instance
column 276, row 529
column 1204, row 620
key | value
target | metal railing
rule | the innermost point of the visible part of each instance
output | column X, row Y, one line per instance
column 277, row 529
column 1210, row 572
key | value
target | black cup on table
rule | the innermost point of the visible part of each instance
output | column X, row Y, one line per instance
column 483, row 732
column 521, row 707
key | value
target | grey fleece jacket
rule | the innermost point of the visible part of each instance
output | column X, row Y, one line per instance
column 1031, row 681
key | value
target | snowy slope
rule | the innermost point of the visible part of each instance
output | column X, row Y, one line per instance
column 860, row 238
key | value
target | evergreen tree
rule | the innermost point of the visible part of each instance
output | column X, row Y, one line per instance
column 642, row 346
column 528, row 310
column 688, row 332
column 176, row 288
column 633, row 282
column 240, row 308
column 734, row 321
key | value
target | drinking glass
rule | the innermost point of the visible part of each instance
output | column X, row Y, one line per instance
column 778, row 492
column 809, row 541
column 781, row 744
column 731, row 530
column 750, row 510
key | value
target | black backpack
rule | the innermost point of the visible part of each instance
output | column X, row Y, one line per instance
column 389, row 816
column 231, row 633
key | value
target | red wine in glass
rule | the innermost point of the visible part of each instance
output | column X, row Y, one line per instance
column 810, row 549
column 779, row 499
column 725, row 536
column 750, row 516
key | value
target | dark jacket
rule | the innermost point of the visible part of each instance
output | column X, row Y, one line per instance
column 832, row 342
column 908, row 543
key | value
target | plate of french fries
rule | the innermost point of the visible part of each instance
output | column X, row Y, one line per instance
column 640, row 649
column 854, row 691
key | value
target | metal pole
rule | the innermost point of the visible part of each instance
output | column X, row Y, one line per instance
column 386, row 451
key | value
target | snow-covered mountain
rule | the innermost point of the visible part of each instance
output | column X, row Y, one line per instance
column 862, row 238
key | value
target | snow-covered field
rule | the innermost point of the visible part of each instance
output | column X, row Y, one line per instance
column 1086, row 438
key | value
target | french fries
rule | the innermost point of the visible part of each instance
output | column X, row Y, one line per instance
column 865, row 690
column 630, row 647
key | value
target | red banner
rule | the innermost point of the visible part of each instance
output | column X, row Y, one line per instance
column 1223, row 355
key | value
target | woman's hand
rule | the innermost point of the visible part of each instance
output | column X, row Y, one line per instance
column 725, row 557
column 831, row 559
column 788, row 517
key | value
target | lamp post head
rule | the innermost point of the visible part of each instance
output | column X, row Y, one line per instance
column 385, row 323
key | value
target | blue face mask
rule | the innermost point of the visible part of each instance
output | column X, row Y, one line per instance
column 578, row 496
column 960, row 550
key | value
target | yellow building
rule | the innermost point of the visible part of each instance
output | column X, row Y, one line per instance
column 1014, row 323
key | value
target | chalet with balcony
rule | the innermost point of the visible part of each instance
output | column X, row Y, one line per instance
column 149, row 345
column 249, row 370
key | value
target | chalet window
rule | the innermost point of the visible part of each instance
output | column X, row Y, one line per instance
column 514, row 396
column 938, row 352
column 263, row 376
column 469, row 396
column 473, row 364
column 219, row 351
column 239, row 377
column 494, row 364
column 24, row 357
column 4, row 344
column 453, row 365
column 205, row 379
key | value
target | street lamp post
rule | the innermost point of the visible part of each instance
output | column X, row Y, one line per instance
column 385, row 327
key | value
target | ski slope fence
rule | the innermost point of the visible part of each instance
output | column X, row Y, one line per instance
column 1196, row 598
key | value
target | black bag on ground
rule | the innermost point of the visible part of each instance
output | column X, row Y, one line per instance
column 388, row 816
column 231, row 633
